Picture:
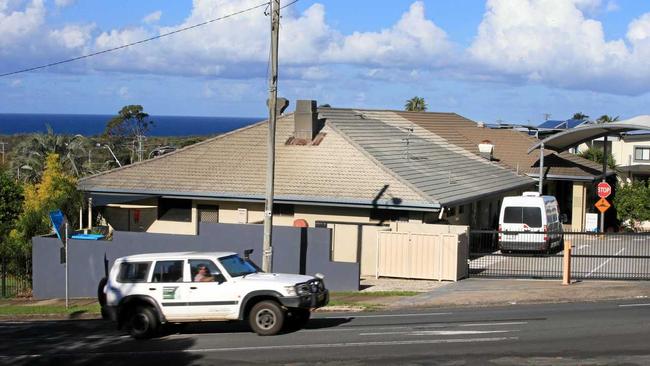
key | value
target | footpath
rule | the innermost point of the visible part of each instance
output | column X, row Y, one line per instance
column 503, row 292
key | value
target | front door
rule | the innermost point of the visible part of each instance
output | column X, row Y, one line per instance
column 211, row 296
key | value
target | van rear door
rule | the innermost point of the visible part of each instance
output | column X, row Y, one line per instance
column 520, row 220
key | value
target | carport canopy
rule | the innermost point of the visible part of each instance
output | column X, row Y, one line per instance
column 573, row 137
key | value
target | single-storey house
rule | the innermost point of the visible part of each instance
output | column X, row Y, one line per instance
column 355, row 171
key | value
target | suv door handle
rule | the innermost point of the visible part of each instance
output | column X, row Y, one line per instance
column 152, row 289
column 193, row 288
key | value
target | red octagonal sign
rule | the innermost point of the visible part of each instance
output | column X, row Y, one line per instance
column 604, row 190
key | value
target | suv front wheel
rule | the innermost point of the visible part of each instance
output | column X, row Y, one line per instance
column 143, row 322
column 266, row 318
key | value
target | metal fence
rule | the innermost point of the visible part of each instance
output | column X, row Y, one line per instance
column 15, row 276
column 612, row 256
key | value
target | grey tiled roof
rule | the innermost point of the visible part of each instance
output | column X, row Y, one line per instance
column 441, row 170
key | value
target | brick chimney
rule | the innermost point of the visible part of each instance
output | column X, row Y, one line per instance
column 306, row 120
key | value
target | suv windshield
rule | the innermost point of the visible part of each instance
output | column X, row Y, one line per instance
column 236, row 266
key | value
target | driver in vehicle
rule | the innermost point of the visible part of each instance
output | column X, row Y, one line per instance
column 203, row 274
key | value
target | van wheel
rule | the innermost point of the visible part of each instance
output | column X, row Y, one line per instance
column 266, row 318
column 143, row 323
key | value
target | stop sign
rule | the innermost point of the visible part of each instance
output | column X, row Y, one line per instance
column 604, row 190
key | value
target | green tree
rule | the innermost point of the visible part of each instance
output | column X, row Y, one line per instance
column 415, row 104
column 580, row 116
column 56, row 190
column 632, row 203
column 596, row 154
column 606, row 119
column 28, row 156
column 131, row 122
column 11, row 199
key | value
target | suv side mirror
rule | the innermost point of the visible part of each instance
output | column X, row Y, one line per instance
column 220, row 278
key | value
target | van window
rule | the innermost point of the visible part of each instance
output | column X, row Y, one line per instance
column 133, row 272
column 531, row 216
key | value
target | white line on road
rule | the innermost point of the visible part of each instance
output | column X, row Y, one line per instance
column 437, row 332
column 77, row 355
column 632, row 305
column 604, row 263
column 380, row 315
column 489, row 324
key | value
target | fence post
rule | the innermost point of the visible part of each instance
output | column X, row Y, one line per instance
column 566, row 274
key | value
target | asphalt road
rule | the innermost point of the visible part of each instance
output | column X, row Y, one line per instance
column 609, row 333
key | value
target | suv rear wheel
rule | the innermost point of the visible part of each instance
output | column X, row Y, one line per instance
column 143, row 323
column 266, row 318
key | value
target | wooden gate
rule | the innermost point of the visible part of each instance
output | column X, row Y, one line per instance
column 422, row 256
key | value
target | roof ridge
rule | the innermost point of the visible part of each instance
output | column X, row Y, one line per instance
column 189, row 147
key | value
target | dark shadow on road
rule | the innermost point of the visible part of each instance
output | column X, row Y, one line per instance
column 242, row 327
column 86, row 342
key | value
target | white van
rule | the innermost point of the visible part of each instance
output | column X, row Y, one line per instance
column 529, row 222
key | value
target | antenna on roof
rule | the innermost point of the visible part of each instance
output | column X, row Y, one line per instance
column 408, row 140
column 547, row 116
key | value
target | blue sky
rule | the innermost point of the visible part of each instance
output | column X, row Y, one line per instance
column 495, row 60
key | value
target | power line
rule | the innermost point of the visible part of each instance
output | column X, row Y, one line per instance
column 141, row 41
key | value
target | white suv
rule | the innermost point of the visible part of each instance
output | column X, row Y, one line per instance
column 146, row 290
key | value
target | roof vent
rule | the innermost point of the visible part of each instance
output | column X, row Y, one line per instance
column 306, row 122
column 486, row 149
column 530, row 194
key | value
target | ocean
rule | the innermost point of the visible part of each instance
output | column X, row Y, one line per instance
column 94, row 124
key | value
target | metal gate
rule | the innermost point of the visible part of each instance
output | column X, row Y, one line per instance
column 15, row 276
column 610, row 256
column 423, row 256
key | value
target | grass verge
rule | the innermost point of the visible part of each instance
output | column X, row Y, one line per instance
column 48, row 309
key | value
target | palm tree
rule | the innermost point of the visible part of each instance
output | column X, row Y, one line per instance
column 580, row 116
column 30, row 154
column 415, row 104
column 606, row 119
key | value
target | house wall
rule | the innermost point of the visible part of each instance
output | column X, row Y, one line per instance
column 296, row 250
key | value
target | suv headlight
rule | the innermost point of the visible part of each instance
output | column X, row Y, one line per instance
column 303, row 289
column 291, row 290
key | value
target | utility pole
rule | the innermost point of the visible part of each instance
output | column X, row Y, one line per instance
column 267, row 256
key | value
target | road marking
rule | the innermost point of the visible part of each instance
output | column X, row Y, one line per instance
column 349, row 328
column 76, row 355
column 380, row 316
column 489, row 324
column 604, row 263
column 437, row 332
column 632, row 305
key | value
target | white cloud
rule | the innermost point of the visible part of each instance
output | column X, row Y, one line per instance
column 64, row 3
column 152, row 18
column 414, row 40
column 72, row 36
column 552, row 42
column 16, row 26
column 123, row 92
column 612, row 5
